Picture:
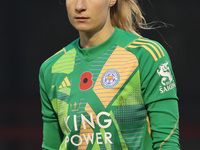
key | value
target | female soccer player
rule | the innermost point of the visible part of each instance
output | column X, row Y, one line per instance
column 111, row 88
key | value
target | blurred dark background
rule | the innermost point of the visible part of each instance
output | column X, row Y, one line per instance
column 33, row 30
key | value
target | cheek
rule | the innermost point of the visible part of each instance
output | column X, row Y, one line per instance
column 69, row 8
column 101, row 17
column 69, row 14
column 102, row 10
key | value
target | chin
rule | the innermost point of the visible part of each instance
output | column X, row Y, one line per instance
column 85, row 30
column 86, row 27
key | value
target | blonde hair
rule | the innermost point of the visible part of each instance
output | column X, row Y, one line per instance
column 127, row 15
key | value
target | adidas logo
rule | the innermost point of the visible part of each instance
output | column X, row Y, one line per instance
column 65, row 83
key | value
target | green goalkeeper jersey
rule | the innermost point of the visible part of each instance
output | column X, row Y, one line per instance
column 119, row 95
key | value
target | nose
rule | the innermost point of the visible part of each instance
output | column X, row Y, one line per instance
column 80, row 6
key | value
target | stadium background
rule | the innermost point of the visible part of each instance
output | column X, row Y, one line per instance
column 33, row 30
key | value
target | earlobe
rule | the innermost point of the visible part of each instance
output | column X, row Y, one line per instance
column 112, row 2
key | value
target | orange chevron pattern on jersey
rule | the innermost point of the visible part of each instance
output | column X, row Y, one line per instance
column 89, row 110
column 88, row 131
column 85, row 134
column 124, row 62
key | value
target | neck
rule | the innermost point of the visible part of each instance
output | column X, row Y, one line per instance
column 90, row 39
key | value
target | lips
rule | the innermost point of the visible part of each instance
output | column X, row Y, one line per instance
column 81, row 19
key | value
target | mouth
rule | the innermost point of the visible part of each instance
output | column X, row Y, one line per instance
column 81, row 19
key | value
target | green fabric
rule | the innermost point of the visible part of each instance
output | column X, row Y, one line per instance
column 164, row 120
column 101, row 97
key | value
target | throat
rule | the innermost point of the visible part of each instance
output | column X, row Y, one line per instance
column 88, row 40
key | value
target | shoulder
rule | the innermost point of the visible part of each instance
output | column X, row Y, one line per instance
column 48, row 63
column 149, row 53
column 141, row 46
column 145, row 47
column 125, row 37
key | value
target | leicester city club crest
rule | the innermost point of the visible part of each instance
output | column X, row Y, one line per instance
column 110, row 78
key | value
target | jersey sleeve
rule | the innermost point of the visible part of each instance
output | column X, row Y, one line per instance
column 157, row 79
column 52, row 135
column 160, row 97
column 164, row 122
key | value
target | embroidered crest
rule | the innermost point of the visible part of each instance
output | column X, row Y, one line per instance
column 110, row 78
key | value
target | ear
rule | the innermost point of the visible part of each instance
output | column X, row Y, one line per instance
column 112, row 2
